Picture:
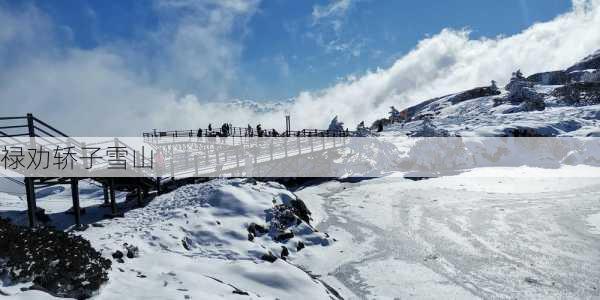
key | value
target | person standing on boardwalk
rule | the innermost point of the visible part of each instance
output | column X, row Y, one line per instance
column 258, row 130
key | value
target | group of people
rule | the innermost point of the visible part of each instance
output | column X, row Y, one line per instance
column 260, row 132
column 227, row 130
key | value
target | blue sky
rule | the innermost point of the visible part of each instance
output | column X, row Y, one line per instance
column 132, row 65
column 286, row 46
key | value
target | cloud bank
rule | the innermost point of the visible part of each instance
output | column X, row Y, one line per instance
column 108, row 91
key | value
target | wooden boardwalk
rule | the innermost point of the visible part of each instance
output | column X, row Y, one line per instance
column 184, row 153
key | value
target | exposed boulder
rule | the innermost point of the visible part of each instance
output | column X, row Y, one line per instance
column 300, row 246
column 284, row 236
column 117, row 254
column 284, row 252
column 269, row 257
column 132, row 251
column 256, row 229
column 475, row 93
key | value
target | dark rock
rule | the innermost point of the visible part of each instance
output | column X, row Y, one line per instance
column 240, row 292
column 549, row 78
column 117, row 254
column 269, row 257
column 579, row 93
column 284, row 252
column 474, row 93
column 431, row 257
column 57, row 262
column 301, row 210
column 97, row 225
column 521, row 131
column 185, row 245
column 256, row 229
column 283, row 236
column 132, row 251
column 300, row 246
column 120, row 260
column 590, row 62
column 250, row 236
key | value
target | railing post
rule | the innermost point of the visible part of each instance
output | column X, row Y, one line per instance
column 75, row 196
column 157, row 182
column 105, row 190
column 29, row 181
column 31, row 207
column 140, row 197
column 113, row 199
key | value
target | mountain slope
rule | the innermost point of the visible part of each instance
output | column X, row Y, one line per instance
column 557, row 103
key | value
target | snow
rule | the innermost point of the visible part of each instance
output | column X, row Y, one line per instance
column 486, row 233
column 594, row 223
column 212, row 218
column 463, row 236
column 481, row 117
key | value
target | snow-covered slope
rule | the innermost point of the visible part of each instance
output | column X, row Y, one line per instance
column 194, row 243
column 558, row 103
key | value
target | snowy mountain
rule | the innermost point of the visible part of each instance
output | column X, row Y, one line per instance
column 556, row 103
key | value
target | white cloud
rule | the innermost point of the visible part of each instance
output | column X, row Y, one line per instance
column 335, row 9
column 450, row 61
column 98, row 91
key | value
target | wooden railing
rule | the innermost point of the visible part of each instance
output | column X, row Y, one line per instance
column 248, row 132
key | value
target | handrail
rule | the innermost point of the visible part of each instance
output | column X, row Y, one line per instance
column 243, row 132
column 12, row 118
column 50, row 127
column 14, row 126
